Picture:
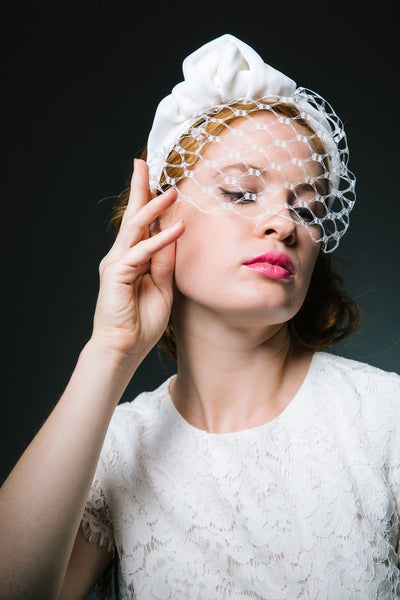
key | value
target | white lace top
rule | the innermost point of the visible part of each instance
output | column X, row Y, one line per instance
column 304, row 507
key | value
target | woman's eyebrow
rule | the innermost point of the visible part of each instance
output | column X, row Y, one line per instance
column 247, row 168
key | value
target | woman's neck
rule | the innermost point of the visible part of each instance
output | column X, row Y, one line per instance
column 232, row 378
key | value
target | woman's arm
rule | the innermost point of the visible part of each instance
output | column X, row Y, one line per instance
column 42, row 501
column 87, row 563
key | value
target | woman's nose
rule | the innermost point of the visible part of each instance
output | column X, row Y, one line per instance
column 278, row 225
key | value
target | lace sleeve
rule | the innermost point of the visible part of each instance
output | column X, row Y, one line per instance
column 96, row 525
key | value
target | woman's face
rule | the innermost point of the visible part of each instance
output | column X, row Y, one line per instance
column 244, row 253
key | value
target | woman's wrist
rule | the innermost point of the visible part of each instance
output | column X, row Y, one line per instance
column 109, row 363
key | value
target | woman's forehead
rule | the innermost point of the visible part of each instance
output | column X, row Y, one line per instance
column 261, row 146
column 260, row 139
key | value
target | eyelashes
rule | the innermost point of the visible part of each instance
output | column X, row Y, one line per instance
column 240, row 197
column 303, row 213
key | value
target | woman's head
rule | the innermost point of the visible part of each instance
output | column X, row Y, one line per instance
column 211, row 256
column 257, row 176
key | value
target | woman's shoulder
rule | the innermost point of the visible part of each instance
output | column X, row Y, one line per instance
column 143, row 408
column 354, row 369
column 355, row 382
column 360, row 403
column 132, row 424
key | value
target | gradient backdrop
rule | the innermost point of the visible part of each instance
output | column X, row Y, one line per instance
column 81, row 84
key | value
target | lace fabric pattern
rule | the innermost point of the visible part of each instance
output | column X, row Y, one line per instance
column 303, row 507
column 96, row 525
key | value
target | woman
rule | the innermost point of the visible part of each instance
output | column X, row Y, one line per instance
column 264, row 468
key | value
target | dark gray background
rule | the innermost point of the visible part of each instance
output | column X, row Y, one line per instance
column 81, row 84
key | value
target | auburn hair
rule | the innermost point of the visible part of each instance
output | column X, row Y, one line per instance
column 327, row 314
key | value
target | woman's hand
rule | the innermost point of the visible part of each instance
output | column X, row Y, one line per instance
column 135, row 296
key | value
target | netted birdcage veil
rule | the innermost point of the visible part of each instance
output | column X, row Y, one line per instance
column 238, row 135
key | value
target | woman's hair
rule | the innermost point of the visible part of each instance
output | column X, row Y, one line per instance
column 328, row 314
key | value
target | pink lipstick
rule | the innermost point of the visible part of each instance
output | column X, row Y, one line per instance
column 276, row 265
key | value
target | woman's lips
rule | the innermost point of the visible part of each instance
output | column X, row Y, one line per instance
column 272, row 264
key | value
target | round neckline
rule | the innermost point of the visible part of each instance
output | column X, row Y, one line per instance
column 242, row 432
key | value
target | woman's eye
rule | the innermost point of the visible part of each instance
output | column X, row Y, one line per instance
column 238, row 196
column 305, row 214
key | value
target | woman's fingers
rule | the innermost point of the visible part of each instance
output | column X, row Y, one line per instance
column 146, row 249
column 136, row 226
column 163, row 264
column 140, row 189
column 141, row 253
